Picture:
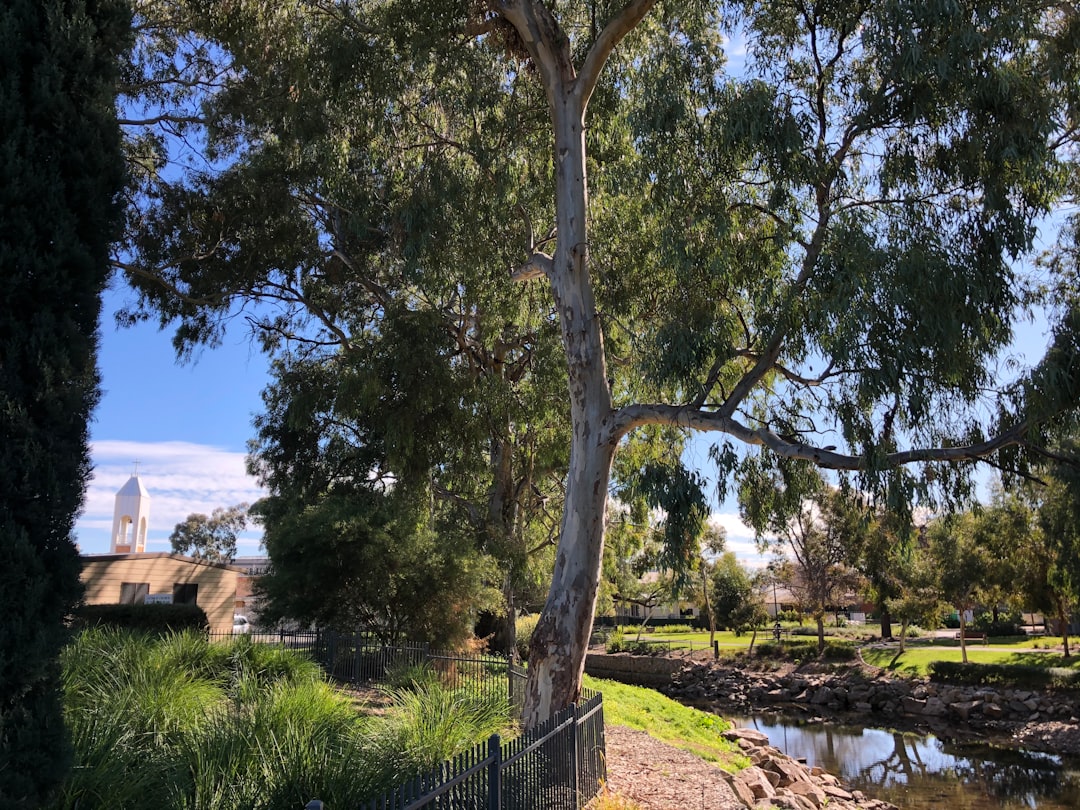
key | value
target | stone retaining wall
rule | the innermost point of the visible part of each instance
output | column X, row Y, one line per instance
column 638, row 670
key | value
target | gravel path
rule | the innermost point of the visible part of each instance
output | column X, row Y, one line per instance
column 660, row 777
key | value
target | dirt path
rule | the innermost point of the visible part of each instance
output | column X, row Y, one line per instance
column 660, row 777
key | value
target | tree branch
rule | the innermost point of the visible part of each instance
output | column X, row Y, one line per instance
column 618, row 27
column 632, row 416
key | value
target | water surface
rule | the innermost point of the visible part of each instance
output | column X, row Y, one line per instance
column 922, row 772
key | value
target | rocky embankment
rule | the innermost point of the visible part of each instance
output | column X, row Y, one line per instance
column 1036, row 720
column 775, row 780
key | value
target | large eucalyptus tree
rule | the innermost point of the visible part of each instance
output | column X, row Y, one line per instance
column 819, row 257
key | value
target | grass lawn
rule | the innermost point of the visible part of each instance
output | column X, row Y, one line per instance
column 670, row 722
column 917, row 658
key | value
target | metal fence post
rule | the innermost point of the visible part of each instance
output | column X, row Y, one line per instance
column 494, row 773
column 575, row 776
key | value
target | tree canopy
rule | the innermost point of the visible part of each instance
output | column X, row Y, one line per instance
column 61, row 171
column 820, row 256
column 210, row 537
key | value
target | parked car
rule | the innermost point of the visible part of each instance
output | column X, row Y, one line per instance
column 240, row 624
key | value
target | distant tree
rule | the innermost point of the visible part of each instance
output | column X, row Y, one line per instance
column 61, row 170
column 917, row 597
column 1054, row 568
column 713, row 541
column 356, row 559
column 961, row 565
column 824, row 535
column 210, row 538
column 731, row 587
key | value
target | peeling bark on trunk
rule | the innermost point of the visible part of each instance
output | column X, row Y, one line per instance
column 557, row 651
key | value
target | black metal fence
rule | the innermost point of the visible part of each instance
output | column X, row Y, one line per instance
column 360, row 658
column 558, row 765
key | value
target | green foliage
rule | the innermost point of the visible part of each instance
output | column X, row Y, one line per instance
column 735, row 600
column 1015, row 675
column 1008, row 623
column 356, row 559
column 148, row 618
column 61, row 172
column 834, row 650
column 525, row 626
column 210, row 538
column 429, row 724
column 177, row 722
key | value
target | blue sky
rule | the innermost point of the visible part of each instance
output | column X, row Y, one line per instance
column 187, row 425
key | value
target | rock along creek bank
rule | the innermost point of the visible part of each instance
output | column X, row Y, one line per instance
column 1018, row 717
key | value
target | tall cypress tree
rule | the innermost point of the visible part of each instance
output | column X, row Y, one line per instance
column 61, row 170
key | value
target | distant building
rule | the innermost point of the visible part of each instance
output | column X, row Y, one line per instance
column 131, row 575
column 112, row 579
column 251, row 568
column 131, row 518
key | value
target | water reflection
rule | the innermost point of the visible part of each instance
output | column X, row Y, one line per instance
column 917, row 773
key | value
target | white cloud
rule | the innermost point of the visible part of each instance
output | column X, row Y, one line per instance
column 181, row 478
column 740, row 539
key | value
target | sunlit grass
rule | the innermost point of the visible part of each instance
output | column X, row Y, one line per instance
column 669, row 721
column 916, row 659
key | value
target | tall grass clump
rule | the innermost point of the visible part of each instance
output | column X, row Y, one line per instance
column 430, row 723
column 178, row 723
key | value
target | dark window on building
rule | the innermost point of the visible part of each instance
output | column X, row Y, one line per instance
column 133, row 593
column 185, row 593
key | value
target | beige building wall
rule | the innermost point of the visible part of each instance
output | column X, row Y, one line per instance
column 104, row 576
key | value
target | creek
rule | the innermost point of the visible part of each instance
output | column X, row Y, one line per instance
column 921, row 772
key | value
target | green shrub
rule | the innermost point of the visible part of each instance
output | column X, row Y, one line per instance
column 670, row 629
column 429, row 725
column 615, row 641
column 1009, row 623
column 406, row 675
column 806, row 650
column 524, row 629
column 145, row 618
column 1018, row 675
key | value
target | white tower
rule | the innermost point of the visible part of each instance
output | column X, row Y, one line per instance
column 130, row 518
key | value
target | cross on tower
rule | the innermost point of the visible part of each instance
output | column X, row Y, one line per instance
column 136, row 467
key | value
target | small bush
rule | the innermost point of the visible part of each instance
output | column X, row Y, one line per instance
column 1018, row 675
column 1007, row 624
column 670, row 629
column 615, row 641
column 806, row 650
column 525, row 626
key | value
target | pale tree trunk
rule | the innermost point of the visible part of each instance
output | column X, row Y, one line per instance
column 708, row 606
column 557, row 650
column 963, row 640
column 820, row 618
column 904, row 623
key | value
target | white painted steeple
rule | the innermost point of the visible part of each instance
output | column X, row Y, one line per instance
column 131, row 517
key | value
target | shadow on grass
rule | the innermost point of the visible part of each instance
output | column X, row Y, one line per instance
column 1043, row 659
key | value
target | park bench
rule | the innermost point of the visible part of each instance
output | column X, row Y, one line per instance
column 975, row 635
